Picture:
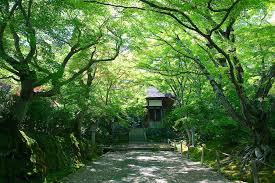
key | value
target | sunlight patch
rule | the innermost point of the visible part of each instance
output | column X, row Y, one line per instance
column 93, row 170
column 148, row 171
column 161, row 181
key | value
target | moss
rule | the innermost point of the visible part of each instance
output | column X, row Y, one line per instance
column 37, row 157
column 230, row 169
column 63, row 154
column 24, row 162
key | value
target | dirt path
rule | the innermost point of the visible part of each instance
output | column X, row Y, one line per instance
column 144, row 167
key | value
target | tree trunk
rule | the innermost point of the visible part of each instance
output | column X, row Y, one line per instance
column 262, row 140
column 93, row 137
column 20, row 107
column 78, row 124
column 252, row 117
column 189, row 136
column 14, row 153
column 192, row 137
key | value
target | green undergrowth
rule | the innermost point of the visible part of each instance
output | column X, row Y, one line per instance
column 230, row 167
column 54, row 157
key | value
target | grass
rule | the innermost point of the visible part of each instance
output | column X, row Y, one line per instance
column 230, row 169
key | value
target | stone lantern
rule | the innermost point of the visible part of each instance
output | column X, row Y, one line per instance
column 93, row 130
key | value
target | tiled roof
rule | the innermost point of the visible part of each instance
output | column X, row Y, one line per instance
column 153, row 92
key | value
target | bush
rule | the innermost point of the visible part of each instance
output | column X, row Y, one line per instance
column 6, row 102
column 159, row 134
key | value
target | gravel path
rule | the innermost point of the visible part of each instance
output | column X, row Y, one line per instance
column 144, row 167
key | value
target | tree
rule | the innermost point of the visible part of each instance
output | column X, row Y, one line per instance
column 180, row 77
column 49, row 45
column 28, row 60
column 209, row 34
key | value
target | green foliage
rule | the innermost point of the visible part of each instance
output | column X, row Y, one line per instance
column 62, row 155
column 191, row 53
column 6, row 102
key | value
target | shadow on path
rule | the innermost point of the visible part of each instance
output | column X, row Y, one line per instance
column 144, row 167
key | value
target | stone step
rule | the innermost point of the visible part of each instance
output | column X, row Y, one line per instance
column 137, row 135
column 139, row 146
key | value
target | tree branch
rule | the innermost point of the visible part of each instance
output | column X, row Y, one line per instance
column 75, row 49
column 38, row 67
column 165, row 12
column 114, row 5
column 228, row 11
column 171, row 72
column 194, row 26
column 219, row 93
column 16, row 43
column 31, row 31
column 13, row 9
column 4, row 66
column 11, row 61
column 266, row 83
column 57, row 86
column 91, row 76
column 216, row 88
column 209, row 6
column 9, row 77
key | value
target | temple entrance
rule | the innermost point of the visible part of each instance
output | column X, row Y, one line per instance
column 155, row 114
column 157, row 104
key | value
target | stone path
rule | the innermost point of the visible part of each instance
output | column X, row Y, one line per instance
column 144, row 167
column 140, row 146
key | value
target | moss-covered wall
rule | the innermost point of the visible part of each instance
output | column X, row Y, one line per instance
column 46, row 158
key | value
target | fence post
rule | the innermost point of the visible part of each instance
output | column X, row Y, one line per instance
column 202, row 154
column 188, row 151
column 218, row 160
column 255, row 172
column 181, row 148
